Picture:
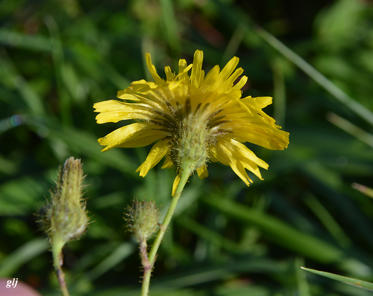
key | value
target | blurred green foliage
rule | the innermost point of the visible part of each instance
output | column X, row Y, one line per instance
column 58, row 57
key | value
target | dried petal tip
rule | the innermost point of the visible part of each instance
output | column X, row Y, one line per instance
column 142, row 219
column 65, row 217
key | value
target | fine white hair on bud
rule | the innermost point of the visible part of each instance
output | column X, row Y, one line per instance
column 142, row 219
column 65, row 216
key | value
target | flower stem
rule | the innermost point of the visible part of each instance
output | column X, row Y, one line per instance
column 184, row 176
column 57, row 262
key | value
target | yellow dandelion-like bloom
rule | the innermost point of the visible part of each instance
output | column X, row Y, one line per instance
column 193, row 119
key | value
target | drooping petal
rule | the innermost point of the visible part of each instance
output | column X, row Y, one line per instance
column 248, row 154
column 202, row 172
column 167, row 163
column 263, row 135
column 158, row 151
column 239, row 158
column 132, row 135
column 175, row 184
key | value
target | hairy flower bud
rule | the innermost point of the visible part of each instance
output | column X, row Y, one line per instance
column 65, row 217
column 142, row 219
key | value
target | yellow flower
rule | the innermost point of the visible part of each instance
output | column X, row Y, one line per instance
column 193, row 119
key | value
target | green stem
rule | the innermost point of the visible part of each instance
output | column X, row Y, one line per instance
column 184, row 176
column 57, row 262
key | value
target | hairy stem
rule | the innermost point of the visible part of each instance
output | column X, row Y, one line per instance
column 184, row 176
column 57, row 262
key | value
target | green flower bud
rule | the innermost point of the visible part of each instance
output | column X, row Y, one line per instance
column 65, row 217
column 142, row 219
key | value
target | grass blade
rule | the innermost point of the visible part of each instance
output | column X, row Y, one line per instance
column 344, row 279
column 363, row 189
column 22, row 255
column 351, row 129
column 120, row 253
column 278, row 231
column 324, row 82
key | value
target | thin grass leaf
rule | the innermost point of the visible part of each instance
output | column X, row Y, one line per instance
column 117, row 256
column 209, row 235
column 344, row 279
column 363, row 189
column 15, row 39
column 206, row 273
column 82, row 142
column 303, row 287
column 21, row 196
column 10, row 77
column 351, row 129
column 324, row 82
column 22, row 255
column 279, row 92
column 170, row 24
column 234, row 43
column 278, row 231
column 327, row 220
column 60, row 67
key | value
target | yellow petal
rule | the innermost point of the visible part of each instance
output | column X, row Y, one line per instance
column 212, row 75
column 260, row 134
column 175, row 184
column 114, row 111
column 132, row 135
column 197, row 73
column 229, row 68
column 202, row 172
column 169, row 74
column 182, row 65
column 152, row 69
column 248, row 154
column 124, row 95
column 239, row 158
column 158, row 151
column 241, row 83
column 240, row 172
column 167, row 163
column 258, row 102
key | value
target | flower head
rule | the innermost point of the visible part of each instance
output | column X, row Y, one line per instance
column 193, row 118
column 142, row 219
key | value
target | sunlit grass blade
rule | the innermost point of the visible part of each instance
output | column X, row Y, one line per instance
column 351, row 129
column 23, row 254
column 363, row 189
column 303, row 287
column 328, row 85
column 344, row 279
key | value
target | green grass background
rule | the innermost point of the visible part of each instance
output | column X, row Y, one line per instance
column 58, row 57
